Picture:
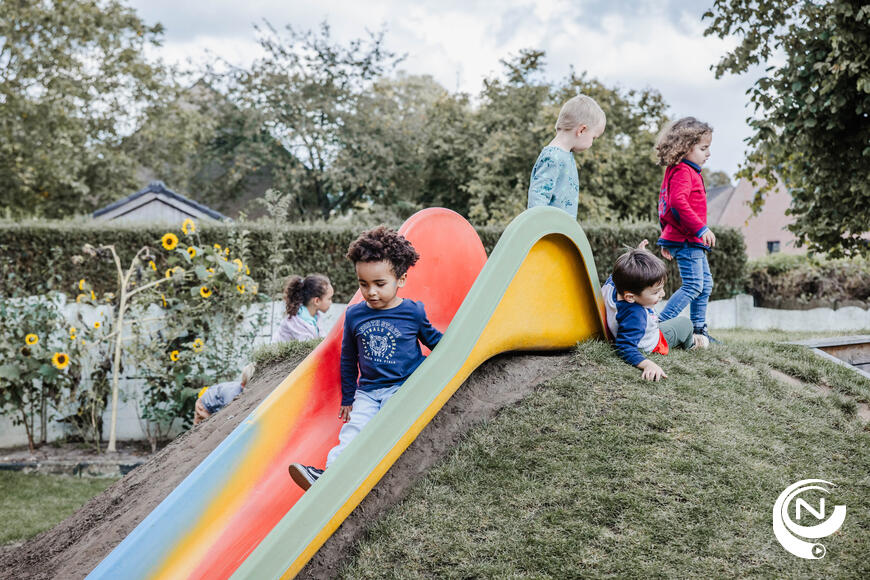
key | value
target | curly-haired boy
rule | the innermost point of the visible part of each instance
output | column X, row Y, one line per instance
column 380, row 343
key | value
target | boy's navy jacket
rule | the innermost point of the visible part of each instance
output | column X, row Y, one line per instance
column 633, row 326
column 380, row 346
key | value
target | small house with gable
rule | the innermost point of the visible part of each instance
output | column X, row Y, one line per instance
column 156, row 204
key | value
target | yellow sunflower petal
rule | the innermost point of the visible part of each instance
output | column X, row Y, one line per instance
column 169, row 241
column 60, row 360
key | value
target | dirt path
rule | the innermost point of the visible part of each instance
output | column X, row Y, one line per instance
column 75, row 546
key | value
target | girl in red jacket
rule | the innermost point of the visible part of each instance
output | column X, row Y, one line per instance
column 683, row 147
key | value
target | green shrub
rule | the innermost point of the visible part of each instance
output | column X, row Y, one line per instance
column 302, row 249
column 799, row 281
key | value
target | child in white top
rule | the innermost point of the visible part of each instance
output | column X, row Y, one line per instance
column 305, row 299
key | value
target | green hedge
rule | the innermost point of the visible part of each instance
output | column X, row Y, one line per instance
column 800, row 282
column 40, row 253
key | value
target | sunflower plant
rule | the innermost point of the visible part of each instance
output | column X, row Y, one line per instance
column 176, row 321
column 39, row 366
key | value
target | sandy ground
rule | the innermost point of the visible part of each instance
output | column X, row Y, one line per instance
column 75, row 546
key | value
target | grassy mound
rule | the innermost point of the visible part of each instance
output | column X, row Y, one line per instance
column 600, row 473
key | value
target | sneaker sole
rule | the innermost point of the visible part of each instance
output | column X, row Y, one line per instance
column 297, row 473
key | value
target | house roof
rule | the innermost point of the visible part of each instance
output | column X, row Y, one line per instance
column 718, row 199
column 159, row 189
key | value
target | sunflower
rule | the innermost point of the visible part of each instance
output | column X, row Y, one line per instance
column 241, row 288
column 247, row 271
column 201, row 392
column 60, row 360
column 82, row 284
column 204, row 291
column 84, row 342
column 152, row 265
column 191, row 251
column 210, row 272
column 171, row 271
column 81, row 297
column 93, row 296
column 217, row 247
column 227, row 251
column 169, row 241
column 239, row 264
column 98, row 324
column 188, row 227
column 25, row 351
column 31, row 339
column 173, row 356
column 72, row 332
column 163, row 297
column 198, row 345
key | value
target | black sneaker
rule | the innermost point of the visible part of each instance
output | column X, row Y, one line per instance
column 703, row 332
column 304, row 475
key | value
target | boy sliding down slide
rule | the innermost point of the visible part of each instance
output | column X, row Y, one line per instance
column 380, row 343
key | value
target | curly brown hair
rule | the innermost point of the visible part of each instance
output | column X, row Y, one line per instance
column 299, row 290
column 678, row 138
column 383, row 244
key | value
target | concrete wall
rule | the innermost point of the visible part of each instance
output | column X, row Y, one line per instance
column 739, row 312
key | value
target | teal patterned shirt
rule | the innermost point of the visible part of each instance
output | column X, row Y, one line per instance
column 555, row 181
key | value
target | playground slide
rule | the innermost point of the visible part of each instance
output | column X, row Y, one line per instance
column 232, row 515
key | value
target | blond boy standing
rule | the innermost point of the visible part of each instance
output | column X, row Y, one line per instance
column 554, row 180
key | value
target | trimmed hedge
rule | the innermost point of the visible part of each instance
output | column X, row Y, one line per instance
column 27, row 248
column 800, row 282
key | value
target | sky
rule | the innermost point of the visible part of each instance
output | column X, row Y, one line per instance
column 628, row 44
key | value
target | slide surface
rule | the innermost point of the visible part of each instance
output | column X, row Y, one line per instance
column 232, row 516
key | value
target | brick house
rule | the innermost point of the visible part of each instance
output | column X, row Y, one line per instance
column 765, row 233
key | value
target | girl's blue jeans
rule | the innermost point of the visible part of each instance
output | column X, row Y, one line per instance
column 696, row 288
column 365, row 405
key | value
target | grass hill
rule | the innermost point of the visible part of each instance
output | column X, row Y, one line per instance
column 599, row 473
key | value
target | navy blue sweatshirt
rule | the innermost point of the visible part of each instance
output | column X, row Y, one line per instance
column 380, row 346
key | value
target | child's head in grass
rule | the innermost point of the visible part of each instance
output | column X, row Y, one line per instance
column 381, row 257
column 639, row 276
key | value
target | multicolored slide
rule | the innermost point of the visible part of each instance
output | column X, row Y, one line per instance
column 238, row 514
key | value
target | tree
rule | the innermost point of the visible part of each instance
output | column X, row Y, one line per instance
column 73, row 79
column 511, row 123
column 812, row 122
column 715, row 178
column 307, row 88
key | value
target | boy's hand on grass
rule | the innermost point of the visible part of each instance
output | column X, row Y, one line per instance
column 666, row 254
column 651, row 371
column 709, row 238
column 344, row 413
column 642, row 245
